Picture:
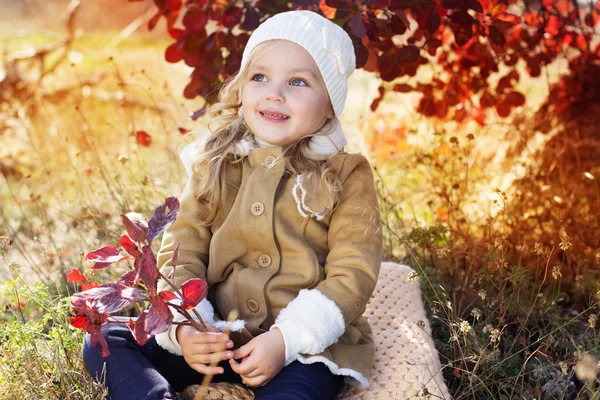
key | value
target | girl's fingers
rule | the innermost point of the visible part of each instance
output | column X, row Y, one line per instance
column 243, row 351
column 253, row 374
column 207, row 358
column 207, row 369
column 244, row 368
column 209, row 337
column 209, row 348
column 256, row 381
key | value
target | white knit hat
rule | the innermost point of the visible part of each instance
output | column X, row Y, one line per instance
column 333, row 52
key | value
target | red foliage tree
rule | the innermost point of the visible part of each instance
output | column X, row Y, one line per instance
column 466, row 40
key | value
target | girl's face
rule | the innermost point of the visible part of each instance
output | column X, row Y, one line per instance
column 284, row 97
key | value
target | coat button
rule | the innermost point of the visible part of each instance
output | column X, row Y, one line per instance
column 269, row 160
column 264, row 260
column 253, row 305
column 257, row 208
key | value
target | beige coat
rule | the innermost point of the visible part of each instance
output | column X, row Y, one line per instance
column 260, row 251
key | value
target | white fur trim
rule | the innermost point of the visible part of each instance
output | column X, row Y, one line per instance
column 325, row 144
column 234, row 326
column 352, row 377
column 244, row 146
column 309, row 324
column 192, row 152
column 168, row 340
column 303, row 209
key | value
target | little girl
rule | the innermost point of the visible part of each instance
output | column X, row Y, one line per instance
column 281, row 223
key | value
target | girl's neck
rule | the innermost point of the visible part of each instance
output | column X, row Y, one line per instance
column 262, row 143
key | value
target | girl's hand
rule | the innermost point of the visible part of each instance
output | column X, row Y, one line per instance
column 200, row 349
column 263, row 358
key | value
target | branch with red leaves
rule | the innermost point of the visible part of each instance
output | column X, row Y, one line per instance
column 465, row 42
column 94, row 305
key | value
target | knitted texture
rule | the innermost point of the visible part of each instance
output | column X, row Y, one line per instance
column 406, row 362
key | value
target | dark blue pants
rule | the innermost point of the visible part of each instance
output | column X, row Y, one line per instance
column 134, row 372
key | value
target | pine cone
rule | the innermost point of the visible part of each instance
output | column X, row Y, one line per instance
column 217, row 391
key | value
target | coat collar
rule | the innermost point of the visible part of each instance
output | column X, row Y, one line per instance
column 258, row 155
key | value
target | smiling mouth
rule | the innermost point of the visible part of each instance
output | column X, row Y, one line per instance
column 273, row 115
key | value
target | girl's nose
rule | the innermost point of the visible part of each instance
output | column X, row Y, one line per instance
column 275, row 93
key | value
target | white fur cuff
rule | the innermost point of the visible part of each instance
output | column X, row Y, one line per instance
column 309, row 324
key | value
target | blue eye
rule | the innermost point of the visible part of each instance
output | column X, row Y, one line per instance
column 298, row 82
column 258, row 78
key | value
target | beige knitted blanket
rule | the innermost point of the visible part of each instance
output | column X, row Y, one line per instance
column 406, row 362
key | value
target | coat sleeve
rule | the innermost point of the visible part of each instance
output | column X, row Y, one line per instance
column 317, row 317
column 193, row 238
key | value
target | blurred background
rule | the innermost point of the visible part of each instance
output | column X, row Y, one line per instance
column 497, row 212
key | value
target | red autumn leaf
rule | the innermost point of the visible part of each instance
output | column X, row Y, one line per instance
column 76, row 276
column 166, row 295
column 195, row 18
column 129, row 246
column 487, row 100
column 97, row 338
column 153, row 21
column 362, row 55
column 408, row 53
column 129, row 278
column 251, row 19
column 163, row 217
column 175, row 32
column 462, row 18
column 375, row 103
column 441, row 109
column 357, row 26
column 143, row 138
column 138, row 329
column 403, row 88
column 433, row 21
column 475, row 5
column 497, row 36
column 78, row 321
column 173, row 53
column 582, row 42
column 174, row 261
column 461, row 36
column 105, row 256
column 553, row 25
column 328, row 12
column 159, row 317
column 108, row 298
column 515, row 99
column 194, row 291
column 147, row 270
column 507, row 18
column 507, row 82
column 589, row 19
column 503, row 108
column 136, row 225
column 232, row 16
